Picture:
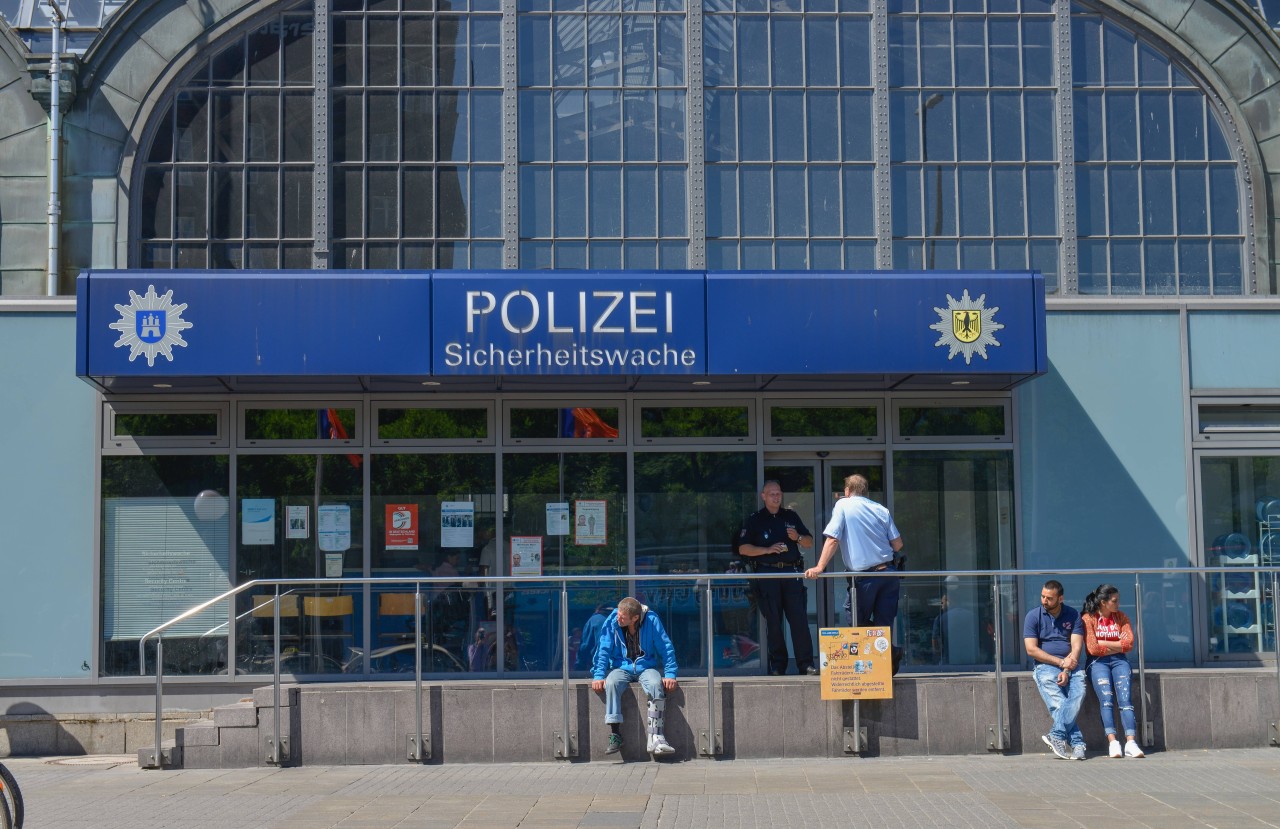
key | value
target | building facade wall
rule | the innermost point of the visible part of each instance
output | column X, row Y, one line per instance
column 1108, row 460
column 48, row 597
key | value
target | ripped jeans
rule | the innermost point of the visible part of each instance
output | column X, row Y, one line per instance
column 1112, row 677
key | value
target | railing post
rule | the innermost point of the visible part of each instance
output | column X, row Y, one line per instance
column 1148, row 731
column 853, row 739
column 1275, row 635
column 999, row 738
column 276, row 752
column 418, row 751
column 710, row 743
column 157, row 756
column 566, row 739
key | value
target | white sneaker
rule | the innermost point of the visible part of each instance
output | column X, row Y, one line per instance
column 1114, row 749
column 1131, row 750
column 658, row 746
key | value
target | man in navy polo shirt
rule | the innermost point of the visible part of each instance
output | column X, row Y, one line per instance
column 1054, row 636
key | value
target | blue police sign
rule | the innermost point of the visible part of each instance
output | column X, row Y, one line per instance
column 584, row 323
column 152, row 325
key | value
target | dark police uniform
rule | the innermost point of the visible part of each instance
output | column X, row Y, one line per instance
column 780, row 597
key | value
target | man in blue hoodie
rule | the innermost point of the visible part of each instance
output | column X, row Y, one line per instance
column 634, row 646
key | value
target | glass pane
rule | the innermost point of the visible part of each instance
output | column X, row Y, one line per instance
column 822, row 421
column 433, row 515
column 301, row 516
column 571, row 422
column 183, row 424
column 688, row 508
column 433, row 424
column 693, row 421
column 959, row 421
column 1241, row 521
column 298, row 424
column 181, row 499
column 956, row 506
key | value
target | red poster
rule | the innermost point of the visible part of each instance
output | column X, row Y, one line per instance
column 402, row 526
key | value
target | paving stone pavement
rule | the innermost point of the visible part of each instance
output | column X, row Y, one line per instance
column 1228, row 789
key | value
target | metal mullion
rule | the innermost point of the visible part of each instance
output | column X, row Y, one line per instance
column 320, row 126
column 880, row 124
column 695, row 137
column 1064, row 109
column 1142, row 219
column 511, row 145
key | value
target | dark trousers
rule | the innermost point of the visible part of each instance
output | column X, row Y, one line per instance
column 779, row 598
column 877, row 601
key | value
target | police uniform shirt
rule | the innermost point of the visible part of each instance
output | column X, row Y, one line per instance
column 764, row 529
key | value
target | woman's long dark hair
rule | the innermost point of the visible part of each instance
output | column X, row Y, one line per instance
column 1095, row 599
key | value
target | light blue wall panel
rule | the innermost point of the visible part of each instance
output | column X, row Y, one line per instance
column 46, row 500
column 1234, row 349
column 1103, row 463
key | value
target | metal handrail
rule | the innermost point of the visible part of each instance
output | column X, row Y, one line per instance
column 698, row 578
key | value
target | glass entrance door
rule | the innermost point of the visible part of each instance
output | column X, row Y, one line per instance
column 811, row 488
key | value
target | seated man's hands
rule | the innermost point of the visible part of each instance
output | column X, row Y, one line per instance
column 597, row 685
column 669, row 684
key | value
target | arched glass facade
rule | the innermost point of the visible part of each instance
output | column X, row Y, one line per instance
column 827, row 134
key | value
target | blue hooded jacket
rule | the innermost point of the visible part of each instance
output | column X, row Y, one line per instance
column 658, row 651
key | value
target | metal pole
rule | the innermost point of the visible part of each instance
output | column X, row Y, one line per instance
column 1142, row 656
column 857, row 703
column 55, row 146
column 1275, row 635
column 157, row 761
column 711, row 673
column 564, row 663
column 275, row 687
column 999, row 648
column 417, row 669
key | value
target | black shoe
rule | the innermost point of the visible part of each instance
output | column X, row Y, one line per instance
column 775, row 673
column 811, row 671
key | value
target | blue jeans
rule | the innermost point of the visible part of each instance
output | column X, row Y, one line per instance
column 1112, row 678
column 617, row 681
column 877, row 601
column 1063, row 703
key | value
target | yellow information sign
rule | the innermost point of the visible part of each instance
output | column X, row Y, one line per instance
column 857, row 663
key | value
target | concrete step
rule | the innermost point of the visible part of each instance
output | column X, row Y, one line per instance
column 242, row 714
column 197, row 733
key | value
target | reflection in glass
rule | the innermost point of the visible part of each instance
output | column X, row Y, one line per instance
column 570, row 422
column 165, row 548
column 958, row 508
column 186, row 424
column 941, row 421
column 694, row 422
column 594, row 489
column 822, row 421
column 688, row 507
column 1240, row 528
column 298, row 424
column 433, row 515
column 302, row 516
column 432, row 424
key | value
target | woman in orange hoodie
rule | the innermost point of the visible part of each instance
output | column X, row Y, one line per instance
column 1108, row 636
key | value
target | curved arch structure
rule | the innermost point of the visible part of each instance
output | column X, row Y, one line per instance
column 147, row 46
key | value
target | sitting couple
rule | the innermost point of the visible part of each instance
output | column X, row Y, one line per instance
column 1054, row 635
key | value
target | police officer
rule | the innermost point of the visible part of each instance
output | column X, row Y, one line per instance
column 772, row 539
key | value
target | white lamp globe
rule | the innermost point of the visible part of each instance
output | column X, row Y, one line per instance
column 211, row 505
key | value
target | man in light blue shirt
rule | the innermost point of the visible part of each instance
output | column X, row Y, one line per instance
column 865, row 533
